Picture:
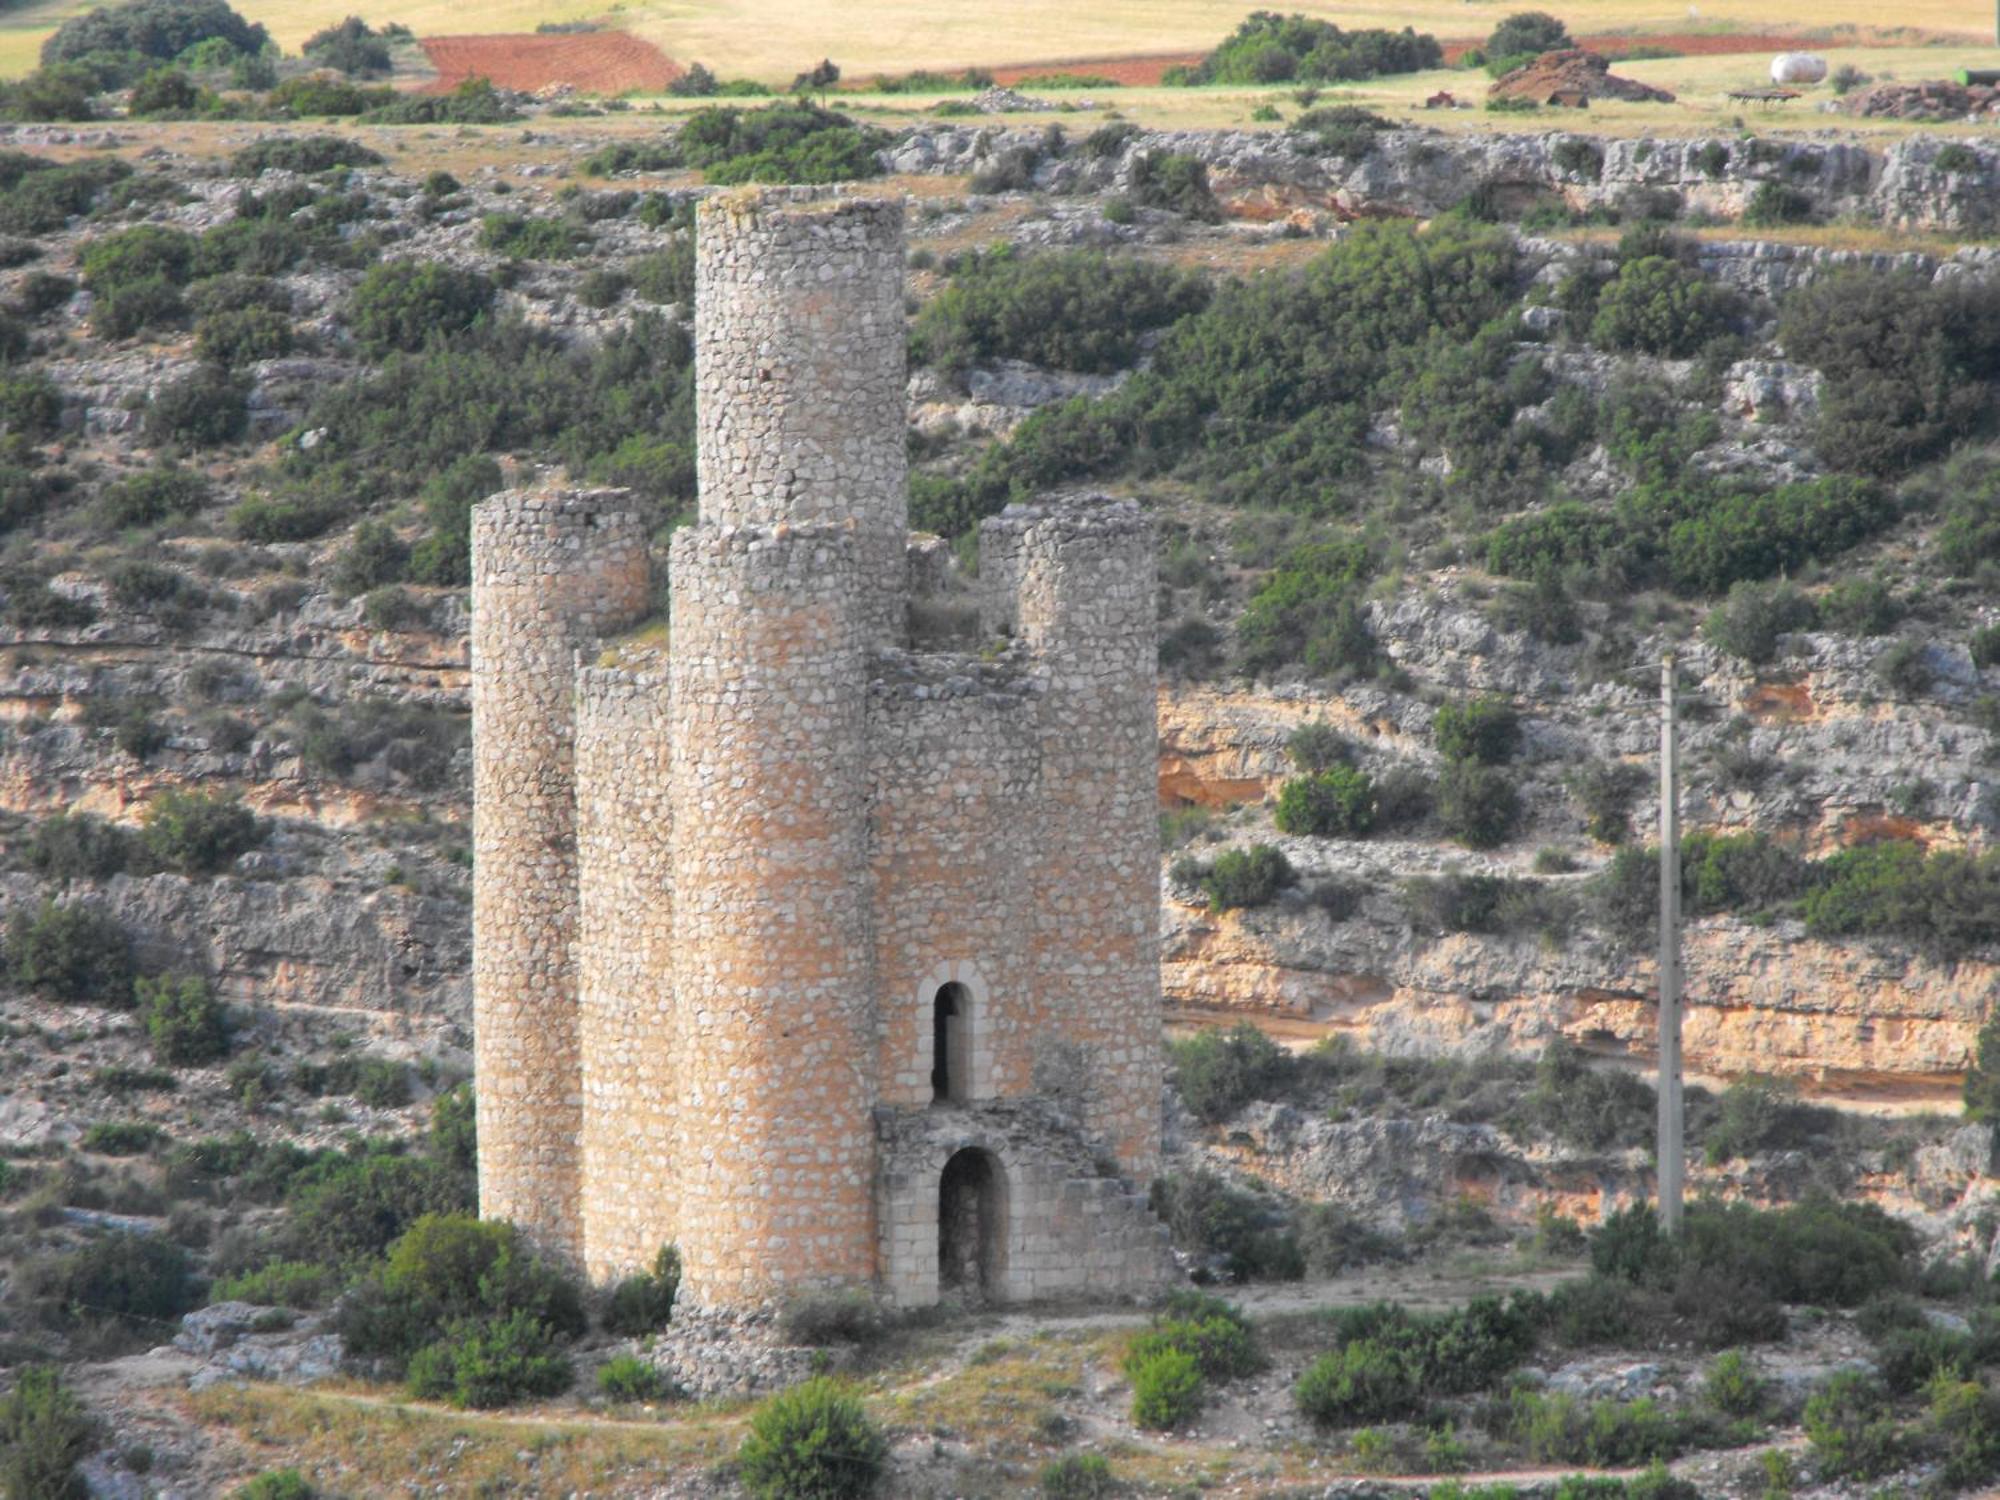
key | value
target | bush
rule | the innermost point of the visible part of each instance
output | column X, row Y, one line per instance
column 158, row 29
column 1167, row 1388
column 793, row 142
column 1206, row 1216
column 305, row 154
column 77, row 846
column 1659, row 306
column 72, row 952
column 484, row 1363
column 153, row 496
column 1477, row 804
column 183, row 1020
column 135, row 1280
column 1176, row 183
column 1389, row 1363
column 1527, row 33
column 1606, row 790
column 1247, row 877
column 202, row 410
column 522, row 237
column 1077, row 1476
column 1758, row 1114
column 44, row 1433
column 1562, row 1429
column 352, row 47
column 1343, row 130
column 277, row 1484
column 1273, row 48
column 1905, row 668
column 1733, row 1388
column 352, row 1207
column 199, row 833
column 279, row 1283
column 133, row 307
column 626, row 1377
column 403, row 304
column 645, row 1303
column 1943, row 903
column 1852, row 1432
column 1586, row 1108
column 1750, row 622
column 1336, row 803
column 1218, row 1072
column 812, row 1442
column 1317, row 746
column 235, row 338
column 1069, row 310
column 121, row 1138
column 1775, row 204
column 373, row 556
column 1485, row 730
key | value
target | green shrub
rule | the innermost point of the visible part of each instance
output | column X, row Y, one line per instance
column 1070, row 310
column 1332, row 1240
column 156, row 29
column 1852, row 1432
column 643, row 1304
column 44, row 1433
column 184, row 1022
column 1217, row 1072
column 146, row 252
column 136, row 306
column 793, row 142
column 1485, row 730
column 403, row 304
column 1740, row 872
column 1207, row 1216
column 812, row 1442
column 454, row 1128
column 626, row 1377
column 1317, row 746
column 373, row 556
column 41, row 292
column 314, row 94
column 352, row 47
column 279, row 1283
column 1775, row 204
column 1247, row 877
column 1759, row 1114
column 1560, row 1428
column 484, row 1363
column 1860, row 606
column 474, row 101
column 235, row 338
column 153, row 495
column 1458, row 902
column 1659, row 306
column 121, row 1138
column 1586, row 1108
column 137, row 1281
column 1943, row 903
column 1477, row 804
column 1177, row 184
column 199, row 833
column 1273, row 48
column 1309, row 610
column 71, row 952
column 1966, row 1420
column 1335, row 803
column 1606, row 790
column 525, row 238
column 69, row 846
column 1733, row 1388
column 1342, row 130
column 1077, row 1476
column 1750, row 622
column 353, row 1206
column 1389, row 1363
column 1167, row 1388
column 1527, row 33
column 305, row 154
column 1905, row 668
column 277, row 1484
column 201, row 410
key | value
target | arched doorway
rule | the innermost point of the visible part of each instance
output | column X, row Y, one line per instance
column 972, row 1225
column 951, row 1013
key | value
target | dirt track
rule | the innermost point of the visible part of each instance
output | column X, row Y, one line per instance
column 598, row 62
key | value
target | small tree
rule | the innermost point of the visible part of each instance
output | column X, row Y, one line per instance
column 72, row 952
column 812, row 1442
column 199, row 833
column 1246, row 877
column 1530, row 32
column 1485, row 730
column 1477, row 805
column 1338, row 802
column 183, row 1020
column 44, row 1433
column 818, row 79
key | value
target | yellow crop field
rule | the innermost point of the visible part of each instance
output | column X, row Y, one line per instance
column 772, row 39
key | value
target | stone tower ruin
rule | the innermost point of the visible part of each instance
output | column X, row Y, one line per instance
column 830, row 960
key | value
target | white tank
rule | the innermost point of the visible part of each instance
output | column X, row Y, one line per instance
column 1797, row 67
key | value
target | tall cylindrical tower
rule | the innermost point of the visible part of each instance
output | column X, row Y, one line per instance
column 550, row 573
column 1087, row 608
column 625, row 929
column 800, row 375
column 772, row 956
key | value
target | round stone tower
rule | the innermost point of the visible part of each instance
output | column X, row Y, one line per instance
column 550, row 573
column 772, row 954
column 800, row 378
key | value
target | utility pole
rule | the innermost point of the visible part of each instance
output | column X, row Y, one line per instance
column 1673, row 1133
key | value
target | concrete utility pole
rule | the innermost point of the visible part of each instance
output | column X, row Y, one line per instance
column 1673, row 1133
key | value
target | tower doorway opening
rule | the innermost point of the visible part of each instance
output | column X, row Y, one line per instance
column 972, row 1225
column 950, row 1012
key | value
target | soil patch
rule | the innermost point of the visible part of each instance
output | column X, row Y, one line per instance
column 598, row 62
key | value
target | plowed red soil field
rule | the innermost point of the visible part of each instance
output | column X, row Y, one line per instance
column 600, row 62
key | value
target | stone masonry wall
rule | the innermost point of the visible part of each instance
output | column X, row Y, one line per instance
column 800, row 378
column 1086, row 609
column 550, row 572
column 629, row 1029
column 773, row 960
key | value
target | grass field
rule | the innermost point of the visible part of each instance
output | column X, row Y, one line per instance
column 772, row 39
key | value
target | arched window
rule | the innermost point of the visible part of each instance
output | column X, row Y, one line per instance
column 951, row 1009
